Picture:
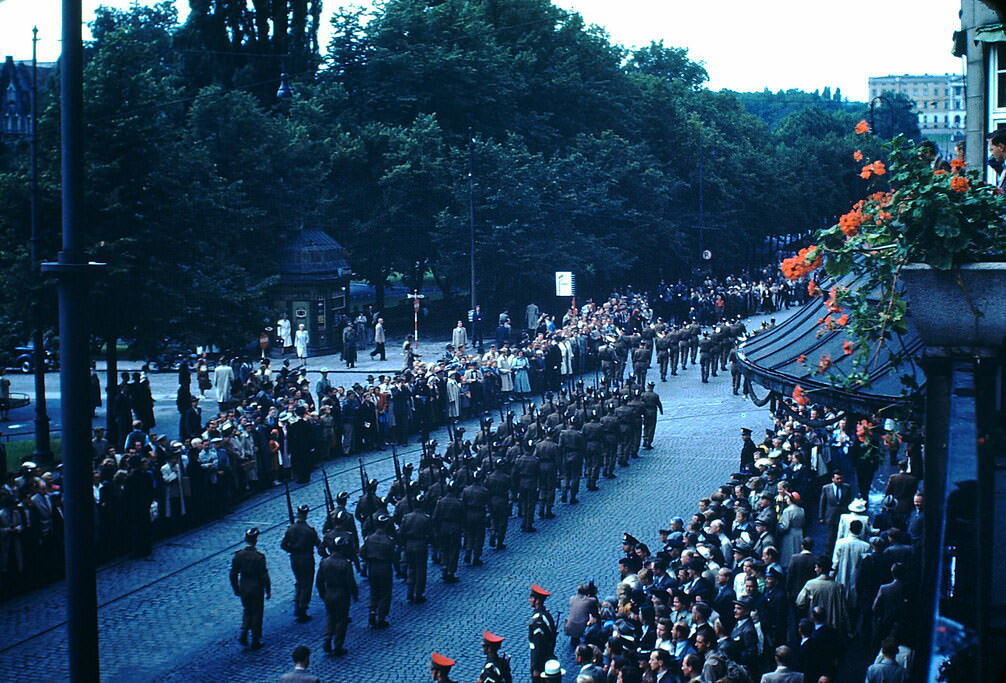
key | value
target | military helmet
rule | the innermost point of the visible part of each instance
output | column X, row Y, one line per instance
column 342, row 497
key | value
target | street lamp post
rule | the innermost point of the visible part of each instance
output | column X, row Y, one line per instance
column 74, row 274
column 43, row 449
column 471, row 213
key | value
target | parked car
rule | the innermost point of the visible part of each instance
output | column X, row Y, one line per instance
column 24, row 358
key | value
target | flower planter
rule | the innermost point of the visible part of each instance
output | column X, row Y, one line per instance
column 960, row 311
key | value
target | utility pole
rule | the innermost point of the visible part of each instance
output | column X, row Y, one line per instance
column 43, row 448
column 471, row 213
column 74, row 274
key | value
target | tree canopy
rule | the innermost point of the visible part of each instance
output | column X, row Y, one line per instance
column 583, row 156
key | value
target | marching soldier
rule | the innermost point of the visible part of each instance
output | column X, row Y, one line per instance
column 571, row 446
column 735, row 370
column 447, row 518
column 705, row 356
column 651, row 404
column 663, row 345
column 379, row 552
column 250, row 581
column 340, row 522
column 300, row 541
column 499, row 484
column 497, row 666
column 336, row 586
column 547, row 452
column 415, row 534
column 638, row 408
column 612, row 435
column 593, row 437
column 625, row 416
column 673, row 340
column 541, row 632
column 526, row 472
column 440, row 668
column 641, row 362
column 475, row 499
column 685, row 345
column 606, row 358
column 693, row 339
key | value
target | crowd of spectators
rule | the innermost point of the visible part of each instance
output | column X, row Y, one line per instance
column 779, row 572
column 247, row 425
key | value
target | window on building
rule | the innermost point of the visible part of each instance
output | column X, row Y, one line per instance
column 1000, row 79
column 957, row 121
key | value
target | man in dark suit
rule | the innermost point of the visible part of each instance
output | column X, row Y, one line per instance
column 902, row 486
column 801, row 569
column 783, row 672
column 889, row 605
column 745, row 637
column 810, row 654
column 300, row 443
column 301, row 660
column 748, row 451
column 835, row 499
column 830, row 643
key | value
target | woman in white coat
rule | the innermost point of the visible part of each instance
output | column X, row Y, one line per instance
column 506, row 373
column 790, row 528
column 301, row 341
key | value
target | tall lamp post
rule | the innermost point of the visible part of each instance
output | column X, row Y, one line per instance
column 43, row 449
column 471, row 213
column 74, row 274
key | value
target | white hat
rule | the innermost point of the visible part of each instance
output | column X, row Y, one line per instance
column 553, row 670
column 858, row 505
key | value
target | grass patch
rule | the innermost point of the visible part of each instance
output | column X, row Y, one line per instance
column 20, row 450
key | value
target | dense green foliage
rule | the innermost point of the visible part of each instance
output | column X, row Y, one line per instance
column 584, row 156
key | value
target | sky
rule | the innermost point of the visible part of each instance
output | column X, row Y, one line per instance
column 778, row 44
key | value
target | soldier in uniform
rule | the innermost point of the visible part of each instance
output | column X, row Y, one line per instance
column 497, row 666
column 499, row 484
column 250, row 581
column 606, row 358
column 541, row 632
column 547, row 452
column 638, row 408
column 336, row 586
column 612, row 435
column 685, row 345
column 300, row 541
column 641, row 362
column 440, row 668
column 705, row 357
column 624, row 415
column 735, row 369
column 415, row 534
column 673, row 341
column 571, row 446
column 379, row 552
column 663, row 346
column 694, row 330
column 651, row 404
column 593, row 436
column 447, row 518
column 475, row 499
column 339, row 522
column 526, row 473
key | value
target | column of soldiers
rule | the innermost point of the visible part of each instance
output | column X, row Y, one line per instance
column 579, row 432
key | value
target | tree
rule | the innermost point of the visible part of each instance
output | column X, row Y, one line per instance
column 670, row 63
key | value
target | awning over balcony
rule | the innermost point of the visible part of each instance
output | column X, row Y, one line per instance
column 770, row 359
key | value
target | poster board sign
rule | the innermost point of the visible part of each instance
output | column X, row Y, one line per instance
column 565, row 284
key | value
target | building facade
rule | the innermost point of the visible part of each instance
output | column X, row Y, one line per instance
column 939, row 104
column 15, row 95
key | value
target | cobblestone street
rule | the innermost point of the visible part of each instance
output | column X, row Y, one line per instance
column 176, row 619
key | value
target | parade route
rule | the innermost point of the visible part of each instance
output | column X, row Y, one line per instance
column 175, row 618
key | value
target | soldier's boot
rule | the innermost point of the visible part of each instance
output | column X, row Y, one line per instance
column 562, row 499
column 327, row 645
column 548, row 512
column 468, row 557
column 373, row 618
column 477, row 560
column 243, row 638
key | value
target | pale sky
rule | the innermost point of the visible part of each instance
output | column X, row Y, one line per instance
column 779, row 44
